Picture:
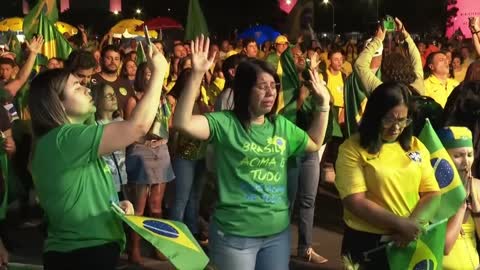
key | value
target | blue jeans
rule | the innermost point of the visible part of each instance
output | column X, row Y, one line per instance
column 229, row 252
column 302, row 186
column 188, row 191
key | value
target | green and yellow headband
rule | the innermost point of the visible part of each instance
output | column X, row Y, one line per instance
column 455, row 137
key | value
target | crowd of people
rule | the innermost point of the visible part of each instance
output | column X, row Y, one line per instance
column 227, row 137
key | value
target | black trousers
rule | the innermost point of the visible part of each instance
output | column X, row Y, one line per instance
column 103, row 257
column 356, row 243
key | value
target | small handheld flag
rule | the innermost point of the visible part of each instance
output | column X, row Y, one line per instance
column 172, row 238
column 451, row 186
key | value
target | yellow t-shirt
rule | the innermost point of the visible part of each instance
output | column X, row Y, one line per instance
column 392, row 178
column 459, row 76
column 335, row 86
column 464, row 252
column 438, row 90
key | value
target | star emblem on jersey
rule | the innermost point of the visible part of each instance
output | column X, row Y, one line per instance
column 415, row 156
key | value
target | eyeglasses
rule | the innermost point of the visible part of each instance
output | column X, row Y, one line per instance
column 110, row 97
column 389, row 122
column 265, row 86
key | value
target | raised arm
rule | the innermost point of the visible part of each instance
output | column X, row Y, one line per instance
column 34, row 47
column 475, row 28
column 118, row 135
column 195, row 126
column 362, row 65
column 320, row 117
column 415, row 57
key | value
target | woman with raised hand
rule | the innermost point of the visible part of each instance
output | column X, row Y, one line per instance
column 73, row 182
column 250, row 227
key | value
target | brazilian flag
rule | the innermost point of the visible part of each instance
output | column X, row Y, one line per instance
column 355, row 98
column 31, row 20
column 172, row 238
column 55, row 44
column 426, row 253
column 451, row 186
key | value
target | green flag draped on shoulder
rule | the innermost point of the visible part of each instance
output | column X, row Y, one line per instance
column 196, row 23
column 290, row 86
column 31, row 20
column 451, row 186
column 355, row 97
column 424, row 253
column 55, row 44
column 172, row 238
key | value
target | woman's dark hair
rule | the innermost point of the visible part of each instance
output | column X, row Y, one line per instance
column 98, row 92
column 45, row 101
column 123, row 71
column 183, row 61
column 180, row 84
column 384, row 98
column 140, row 84
column 229, row 63
column 463, row 109
column 397, row 68
column 423, row 107
column 427, row 72
column 457, row 55
column 473, row 71
column 243, row 84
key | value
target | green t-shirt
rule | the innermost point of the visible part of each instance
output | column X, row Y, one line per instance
column 75, row 189
column 252, row 173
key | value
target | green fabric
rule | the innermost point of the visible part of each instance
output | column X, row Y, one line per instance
column 75, row 188
column 31, row 20
column 196, row 23
column 55, row 44
column 172, row 238
column 354, row 95
column 15, row 47
column 425, row 253
column 273, row 59
column 451, row 187
column 290, row 85
column 4, row 166
column 141, row 58
column 252, row 173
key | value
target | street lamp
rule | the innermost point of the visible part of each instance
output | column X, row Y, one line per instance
column 326, row 2
column 138, row 11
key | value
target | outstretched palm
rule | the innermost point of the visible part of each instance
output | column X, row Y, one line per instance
column 319, row 88
column 200, row 60
column 35, row 45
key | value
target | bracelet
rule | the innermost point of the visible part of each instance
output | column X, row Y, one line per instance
column 322, row 108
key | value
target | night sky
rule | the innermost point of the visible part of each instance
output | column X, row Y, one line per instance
column 223, row 16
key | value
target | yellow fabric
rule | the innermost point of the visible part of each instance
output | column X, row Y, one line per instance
column 347, row 68
column 438, row 90
column 205, row 99
column 392, row 178
column 459, row 76
column 335, row 87
column 464, row 252
column 281, row 100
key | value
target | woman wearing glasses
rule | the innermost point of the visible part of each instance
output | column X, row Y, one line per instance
column 250, row 227
column 385, row 180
